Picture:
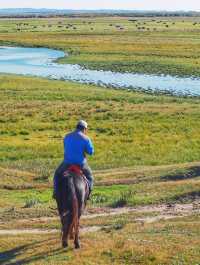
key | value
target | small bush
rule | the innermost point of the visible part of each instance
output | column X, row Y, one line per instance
column 12, row 133
column 98, row 198
column 123, row 198
column 101, row 130
column 30, row 202
column 24, row 132
column 119, row 225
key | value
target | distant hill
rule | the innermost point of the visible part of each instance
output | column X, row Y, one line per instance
column 31, row 12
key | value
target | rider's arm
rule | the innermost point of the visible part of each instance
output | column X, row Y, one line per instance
column 89, row 147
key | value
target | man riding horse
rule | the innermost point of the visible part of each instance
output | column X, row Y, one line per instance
column 76, row 145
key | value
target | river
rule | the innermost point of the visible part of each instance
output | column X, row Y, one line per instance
column 40, row 62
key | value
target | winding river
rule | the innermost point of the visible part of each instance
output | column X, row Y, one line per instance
column 41, row 62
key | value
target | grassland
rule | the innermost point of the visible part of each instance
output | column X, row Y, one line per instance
column 151, row 133
column 147, row 146
column 161, row 46
column 127, row 127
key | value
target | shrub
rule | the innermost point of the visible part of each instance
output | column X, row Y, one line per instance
column 98, row 198
column 123, row 198
column 30, row 202
column 24, row 132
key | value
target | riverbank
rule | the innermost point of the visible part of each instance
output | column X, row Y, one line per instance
column 152, row 46
column 40, row 62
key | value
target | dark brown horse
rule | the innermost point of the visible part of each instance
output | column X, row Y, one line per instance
column 71, row 201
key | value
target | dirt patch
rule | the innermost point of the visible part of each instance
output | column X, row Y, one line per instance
column 26, row 231
column 161, row 212
column 15, row 232
column 191, row 173
column 154, row 219
column 188, row 208
column 136, row 169
column 170, row 209
column 189, row 196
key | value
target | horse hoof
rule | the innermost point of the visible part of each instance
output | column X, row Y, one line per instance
column 77, row 246
column 64, row 244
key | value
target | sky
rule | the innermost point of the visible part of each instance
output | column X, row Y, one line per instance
column 170, row 5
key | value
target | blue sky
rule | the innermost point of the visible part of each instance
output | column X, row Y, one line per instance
column 106, row 4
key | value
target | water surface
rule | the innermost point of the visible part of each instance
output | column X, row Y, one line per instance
column 41, row 62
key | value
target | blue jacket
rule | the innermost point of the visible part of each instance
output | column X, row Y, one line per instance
column 76, row 145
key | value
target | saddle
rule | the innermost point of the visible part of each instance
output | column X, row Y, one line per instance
column 76, row 170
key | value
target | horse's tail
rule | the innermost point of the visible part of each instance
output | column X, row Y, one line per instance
column 74, row 204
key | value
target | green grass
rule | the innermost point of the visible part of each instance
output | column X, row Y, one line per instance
column 128, row 128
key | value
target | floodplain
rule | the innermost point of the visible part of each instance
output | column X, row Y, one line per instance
column 145, row 205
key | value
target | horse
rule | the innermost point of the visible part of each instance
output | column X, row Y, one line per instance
column 71, row 202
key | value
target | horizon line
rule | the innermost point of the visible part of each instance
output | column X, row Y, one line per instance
column 96, row 9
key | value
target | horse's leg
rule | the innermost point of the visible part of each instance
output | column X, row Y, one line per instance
column 76, row 228
column 80, row 192
column 71, row 233
column 76, row 240
column 66, row 224
column 64, row 240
